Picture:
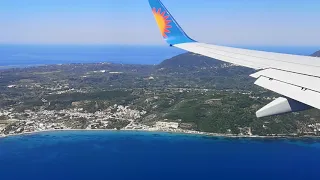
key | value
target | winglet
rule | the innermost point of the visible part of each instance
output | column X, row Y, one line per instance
column 169, row 28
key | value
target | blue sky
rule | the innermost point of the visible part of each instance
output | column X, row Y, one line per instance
column 228, row 22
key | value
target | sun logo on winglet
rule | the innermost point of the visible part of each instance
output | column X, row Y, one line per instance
column 162, row 21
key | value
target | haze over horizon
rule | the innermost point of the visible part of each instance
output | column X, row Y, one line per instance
column 228, row 22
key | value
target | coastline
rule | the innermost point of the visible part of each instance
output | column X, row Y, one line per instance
column 204, row 134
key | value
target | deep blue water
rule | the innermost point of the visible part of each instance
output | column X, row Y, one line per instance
column 141, row 155
column 30, row 55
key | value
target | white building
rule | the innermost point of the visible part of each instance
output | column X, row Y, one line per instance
column 170, row 125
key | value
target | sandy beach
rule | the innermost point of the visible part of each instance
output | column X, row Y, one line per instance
column 172, row 132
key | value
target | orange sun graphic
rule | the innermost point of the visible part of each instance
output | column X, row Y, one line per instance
column 162, row 21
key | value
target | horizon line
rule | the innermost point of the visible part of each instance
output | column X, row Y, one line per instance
column 130, row 44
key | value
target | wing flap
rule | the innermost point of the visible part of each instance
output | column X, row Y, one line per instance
column 302, row 81
column 306, row 96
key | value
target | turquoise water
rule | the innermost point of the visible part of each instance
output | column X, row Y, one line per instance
column 144, row 155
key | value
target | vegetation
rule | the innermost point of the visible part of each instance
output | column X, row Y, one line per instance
column 199, row 92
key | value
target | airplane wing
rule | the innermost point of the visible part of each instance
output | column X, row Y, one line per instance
column 295, row 77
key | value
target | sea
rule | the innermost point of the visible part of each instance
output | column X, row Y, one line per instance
column 112, row 155
column 35, row 55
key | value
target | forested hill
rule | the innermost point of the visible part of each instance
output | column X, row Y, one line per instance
column 189, row 60
column 316, row 54
column 190, row 63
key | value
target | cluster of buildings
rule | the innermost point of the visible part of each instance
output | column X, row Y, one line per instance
column 50, row 120
column 315, row 129
column 77, row 118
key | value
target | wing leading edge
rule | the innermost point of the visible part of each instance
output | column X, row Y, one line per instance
column 295, row 77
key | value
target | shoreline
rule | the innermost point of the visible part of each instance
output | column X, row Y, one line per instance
column 204, row 134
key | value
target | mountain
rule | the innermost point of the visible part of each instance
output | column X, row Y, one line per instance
column 189, row 60
column 193, row 70
column 316, row 54
column 190, row 63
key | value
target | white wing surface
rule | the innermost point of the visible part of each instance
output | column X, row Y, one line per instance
column 295, row 77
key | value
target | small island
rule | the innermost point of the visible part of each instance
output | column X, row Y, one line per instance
column 188, row 93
